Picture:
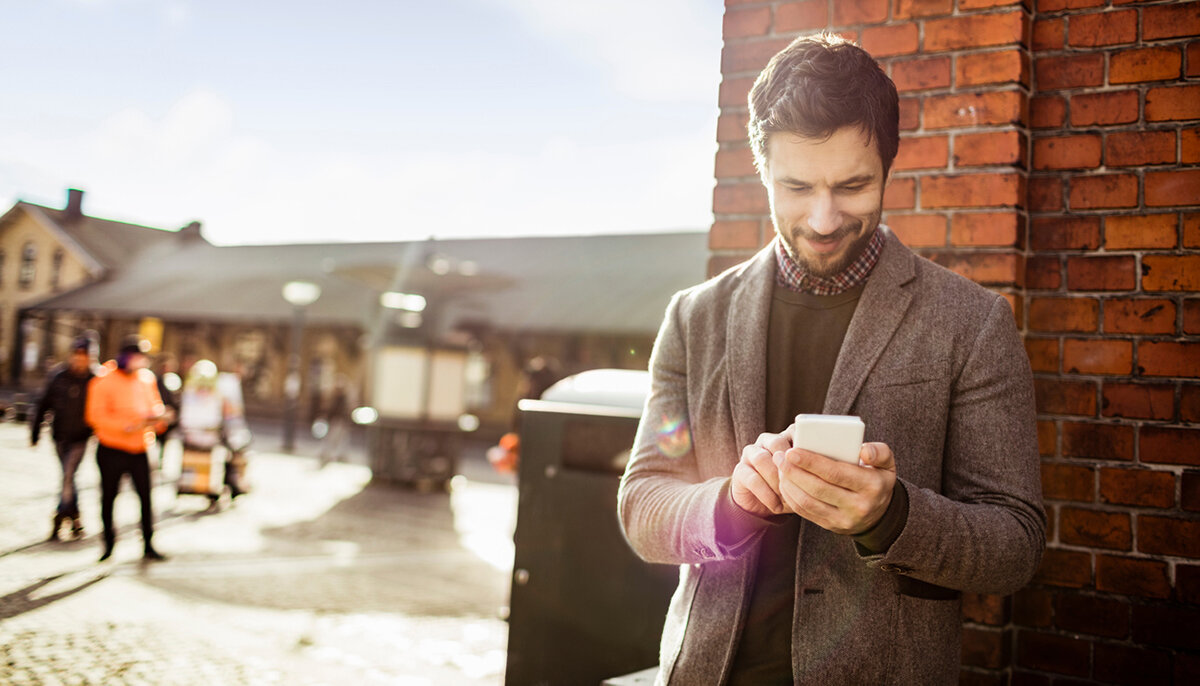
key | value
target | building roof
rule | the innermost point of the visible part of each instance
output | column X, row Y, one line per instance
column 610, row 284
column 102, row 244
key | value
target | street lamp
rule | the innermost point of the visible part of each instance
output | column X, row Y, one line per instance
column 300, row 294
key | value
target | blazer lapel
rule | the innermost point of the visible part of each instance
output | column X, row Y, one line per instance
column 746, row 346
column 882, row 307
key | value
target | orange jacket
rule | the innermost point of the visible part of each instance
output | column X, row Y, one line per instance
column 118, row 405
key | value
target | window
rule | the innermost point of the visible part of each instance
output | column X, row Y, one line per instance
column 28, row 266
column 56, row 269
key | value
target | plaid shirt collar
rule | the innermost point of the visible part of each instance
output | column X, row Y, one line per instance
column 794, row 277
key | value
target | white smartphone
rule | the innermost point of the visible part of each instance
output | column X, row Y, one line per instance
column 836, row 436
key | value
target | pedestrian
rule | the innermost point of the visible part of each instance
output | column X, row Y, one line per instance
column 337, row 418
column 64, row 397
column 167, row 381
column 796, row 567
column 214, row 432
column 125, row 410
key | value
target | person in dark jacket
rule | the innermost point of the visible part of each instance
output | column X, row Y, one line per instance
column 65, row 397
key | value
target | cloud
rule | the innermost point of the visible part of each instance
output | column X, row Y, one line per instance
column 663, row 50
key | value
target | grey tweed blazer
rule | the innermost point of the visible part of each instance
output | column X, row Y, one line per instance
column 934, row 365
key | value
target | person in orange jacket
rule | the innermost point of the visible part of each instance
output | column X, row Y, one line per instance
column 124, row 408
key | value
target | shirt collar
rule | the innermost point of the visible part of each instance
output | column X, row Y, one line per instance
column 794, row 277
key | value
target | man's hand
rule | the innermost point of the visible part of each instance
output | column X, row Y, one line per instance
column 843, row 498
column 755, row 486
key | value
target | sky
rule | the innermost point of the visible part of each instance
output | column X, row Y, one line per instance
column 273, row 121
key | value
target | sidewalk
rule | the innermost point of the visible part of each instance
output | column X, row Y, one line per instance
column 315, row 577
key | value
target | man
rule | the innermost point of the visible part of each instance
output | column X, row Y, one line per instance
column 794, row 567
column 64, row 397
column 124, row 408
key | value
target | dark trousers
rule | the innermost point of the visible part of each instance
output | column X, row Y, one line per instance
column 70, row 454
column 113, row 465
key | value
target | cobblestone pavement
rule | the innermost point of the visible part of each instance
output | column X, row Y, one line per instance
column 315, row 577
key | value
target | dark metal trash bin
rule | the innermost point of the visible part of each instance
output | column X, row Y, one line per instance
column 583, row 607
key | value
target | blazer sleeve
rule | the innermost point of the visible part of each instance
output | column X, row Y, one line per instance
column 667, row 511
column 986, row 530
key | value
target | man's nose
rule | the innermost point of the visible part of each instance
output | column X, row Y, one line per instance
column 824, row 217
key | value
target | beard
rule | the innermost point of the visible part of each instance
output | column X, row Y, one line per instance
column 825, row 266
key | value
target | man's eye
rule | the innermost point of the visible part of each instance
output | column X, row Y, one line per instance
column 854, row 188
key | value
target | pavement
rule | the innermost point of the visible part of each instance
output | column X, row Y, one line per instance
column 316, row 576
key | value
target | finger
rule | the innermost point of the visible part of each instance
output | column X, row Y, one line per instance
column 748, row 480
column 774, row 442
column 877, row 455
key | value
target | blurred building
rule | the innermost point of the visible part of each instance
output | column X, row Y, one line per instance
column 583, row 301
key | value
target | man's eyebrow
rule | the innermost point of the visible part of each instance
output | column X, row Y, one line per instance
column 857, row 180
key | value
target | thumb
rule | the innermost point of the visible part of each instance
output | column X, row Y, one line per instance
column 878, row 455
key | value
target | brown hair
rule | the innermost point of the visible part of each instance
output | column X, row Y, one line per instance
column 817, row 85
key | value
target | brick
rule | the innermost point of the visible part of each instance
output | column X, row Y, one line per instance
column 731, row 127
column 1132, row 576
column 1104, row 109
column 1189, row 143
column 1169, row 445
column 1068, row 482
column 1133, row 232
column 924, row 152
column 972, row 190
column 1187, row 666
column 921, row 74
column 998, row 269
column 919, row 230
column 848, row 12
column 1138, row 401
column 1092, row 615
column 1067, row 152
column 1103, row 28
column 1056, row 5
column 746, row 22
column 734, row 163
column 1047, row 111
column 910, row 114
column 1187, row 582
column 740, row 198
column 1167, row 625
column 1168, row 536
column 991, row 148
column 985, row 608
column 1103, row 191
column 1132, row 148
column 1189, row 496
column 1191, row 230
column 974, row 109
column 1104, row 273
column 1072, row 71
column 1089, row 356
column 1043, row 354
column 900, row 194
column 1133, row 665
column 1193, row 59
column 985, row 647
column 1047, row 438
column 1097, row 441
column 749, row 56
column 1094, row 529
column 974, row 31
column 1173, row 103
column 1054, row 653
column 1049, row 34
column 985, row 4
column 801, row 16
column 987, row 68
column 908, row 9
column 1065, row 233
column 1060, row 396
column 1141, row 316
column 1137, row 487
column 1043, row 272
column 890, row 40
column 1068, row 568
column 719, row 263
column 735, row 235
column 1173, row 188
column 1165, row 358
column 1191, row 316
column 1001, row 229
column 1189, row 403
column 1046, row 194
column 1033, row 607
column 1171, row 21
column 733, row 92
column 1145, row 64
column 1171, row 273
column 1064, row 314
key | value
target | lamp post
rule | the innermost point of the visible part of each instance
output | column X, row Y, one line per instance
column 300, row 294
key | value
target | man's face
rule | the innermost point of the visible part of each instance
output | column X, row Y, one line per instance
column 137, row 361
column 80, row 361
column 826, row 196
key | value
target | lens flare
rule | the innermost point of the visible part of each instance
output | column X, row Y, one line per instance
column 674, row 437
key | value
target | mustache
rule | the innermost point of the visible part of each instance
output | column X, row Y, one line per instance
column 850, row 228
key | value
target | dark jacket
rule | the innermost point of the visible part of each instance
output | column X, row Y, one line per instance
column 65, row 396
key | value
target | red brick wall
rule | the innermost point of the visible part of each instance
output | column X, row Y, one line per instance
column 1051, row 150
